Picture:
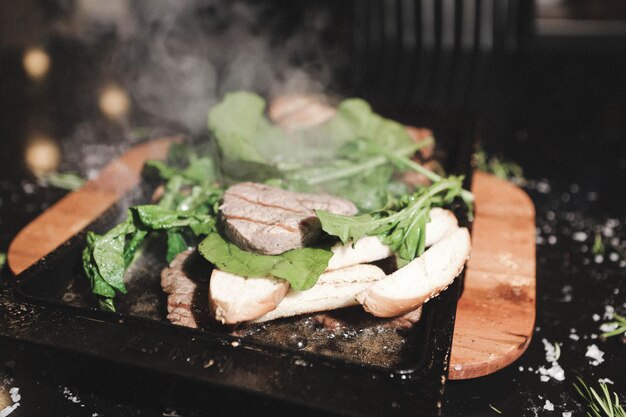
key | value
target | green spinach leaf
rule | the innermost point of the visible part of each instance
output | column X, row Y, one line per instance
column 300, row 267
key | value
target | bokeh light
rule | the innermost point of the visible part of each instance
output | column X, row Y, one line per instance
column 36, row 63
column 114, row 101
column 43, row 154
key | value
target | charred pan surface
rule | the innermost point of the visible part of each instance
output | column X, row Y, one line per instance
column 271, row 221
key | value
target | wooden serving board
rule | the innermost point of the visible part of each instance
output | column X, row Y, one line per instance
column 495, row 315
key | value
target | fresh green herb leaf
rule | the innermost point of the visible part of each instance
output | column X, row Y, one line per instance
column 189, row 203
column 3, row 259
column 602, row 403
column 598, row 246
column 108, row 254
column 175, row 244
column 107, row 304
column 499, row 166
column 323, row 158
column 619, row 322
column 63, row 180
column 300, row 267
column 401, row 225
column 495, row 409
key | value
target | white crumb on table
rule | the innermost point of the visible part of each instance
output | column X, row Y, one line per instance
column 548, row 406
column 595, row 354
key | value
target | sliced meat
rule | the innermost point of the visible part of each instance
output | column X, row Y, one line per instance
column 234, row 299
column 371, row 249
column 300, row 111
column 271, row 221
column 186, row 289
column 333, row 290
column 422, row 279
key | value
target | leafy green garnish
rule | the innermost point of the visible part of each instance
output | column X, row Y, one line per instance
column 63, row 180
column 619, row 322
column 3, row 259
column 325, row 158
column 601, row 404
column 498, row 166
column 180, row 217
column 401, row 225
column 300, row 267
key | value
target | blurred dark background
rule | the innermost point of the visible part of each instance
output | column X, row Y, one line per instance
column 541, row 82
column 81, row 80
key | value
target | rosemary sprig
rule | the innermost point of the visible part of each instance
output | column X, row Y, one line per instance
column 601, row 404
column 620, row 321
column 495, row 409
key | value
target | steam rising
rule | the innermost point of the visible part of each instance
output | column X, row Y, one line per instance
column 177, row 58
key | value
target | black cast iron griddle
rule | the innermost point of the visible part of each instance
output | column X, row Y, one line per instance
column 362, row 369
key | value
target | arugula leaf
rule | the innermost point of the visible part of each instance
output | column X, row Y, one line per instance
column 401, row 225
column 321, row 158
column 300, row 267
column 175, row 244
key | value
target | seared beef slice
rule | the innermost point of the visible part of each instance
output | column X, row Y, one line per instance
column 271, row 221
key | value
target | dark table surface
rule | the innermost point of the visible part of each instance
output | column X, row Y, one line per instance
column 560, row 114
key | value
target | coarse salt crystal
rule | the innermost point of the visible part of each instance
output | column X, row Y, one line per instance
column 596, row 317
column 598, row 259
column 521, row 369
column 609, row 312
column 567, row 414
column 550, row 351
column 551, row 240
column 8, row 410
column 614, row 257
column 609, row 327
column 605, row 381
column 595, row 355
column 579, row 236
column 548, row 406
column 574, row 336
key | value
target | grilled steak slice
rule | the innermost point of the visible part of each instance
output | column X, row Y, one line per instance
column 271, row 221
column 185, row 282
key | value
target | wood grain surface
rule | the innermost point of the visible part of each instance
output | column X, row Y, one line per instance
column 496, row 312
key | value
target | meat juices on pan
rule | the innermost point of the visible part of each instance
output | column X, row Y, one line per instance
column 270, row 221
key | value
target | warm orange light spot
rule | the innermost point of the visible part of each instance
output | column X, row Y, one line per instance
column 114, row 102
column 42, row 154
column 36, row 63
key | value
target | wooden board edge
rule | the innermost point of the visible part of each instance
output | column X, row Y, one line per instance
column 76, row 210
column 485, row 361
